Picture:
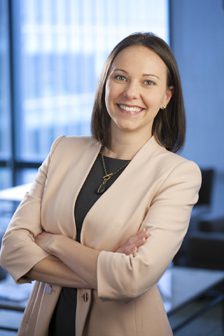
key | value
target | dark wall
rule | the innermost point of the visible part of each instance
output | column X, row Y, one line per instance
column 197, row 39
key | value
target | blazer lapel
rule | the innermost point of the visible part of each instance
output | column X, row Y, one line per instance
column 82, row 169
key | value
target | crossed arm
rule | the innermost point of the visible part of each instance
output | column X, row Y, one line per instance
column 70, row 264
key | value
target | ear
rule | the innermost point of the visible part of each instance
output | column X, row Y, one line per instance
column 168, row 95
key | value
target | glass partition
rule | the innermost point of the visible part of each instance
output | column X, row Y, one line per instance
column 55, row 50
column 61, row 50
column 4, row 84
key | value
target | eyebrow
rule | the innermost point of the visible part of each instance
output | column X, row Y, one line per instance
column 150, row 75
column 117, row 69
column 144, row 75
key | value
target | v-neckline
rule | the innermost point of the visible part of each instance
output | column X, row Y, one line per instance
column 88, row 194
column 139, row 156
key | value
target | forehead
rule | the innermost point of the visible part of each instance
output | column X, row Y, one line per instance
column 139, row 58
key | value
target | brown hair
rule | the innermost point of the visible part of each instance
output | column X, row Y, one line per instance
column 169, row 124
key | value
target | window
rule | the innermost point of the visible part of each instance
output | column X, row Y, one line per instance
column 6, row 208
column 58, row 50
column 4, row 85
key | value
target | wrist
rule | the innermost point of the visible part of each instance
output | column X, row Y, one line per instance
column 58, row 244
column 54, row 244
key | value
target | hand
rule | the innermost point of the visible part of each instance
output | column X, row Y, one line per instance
column 134, row 242
column 45, row 240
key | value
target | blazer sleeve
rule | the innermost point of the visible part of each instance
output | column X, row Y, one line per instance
column 124, row 277
column 19, row 253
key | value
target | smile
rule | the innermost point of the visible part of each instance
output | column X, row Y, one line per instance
column 130, row 109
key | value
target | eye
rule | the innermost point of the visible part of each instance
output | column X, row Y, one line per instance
column 149, row 82
column 120, row 77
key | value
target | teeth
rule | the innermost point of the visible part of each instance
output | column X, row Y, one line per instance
column 130, row 108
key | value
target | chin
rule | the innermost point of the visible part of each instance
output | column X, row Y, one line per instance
column 127, row 128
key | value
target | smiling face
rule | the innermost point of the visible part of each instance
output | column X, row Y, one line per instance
column 136, row 89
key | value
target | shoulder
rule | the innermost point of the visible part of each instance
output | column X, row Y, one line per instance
column 75, row 140
column 176, row 166
column 71, row 143
column 186, row 170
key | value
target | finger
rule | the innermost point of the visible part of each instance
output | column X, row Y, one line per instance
column 144, row 233
column 140, row 241
column 131, row 251
column 138, row 236
column 134, row 241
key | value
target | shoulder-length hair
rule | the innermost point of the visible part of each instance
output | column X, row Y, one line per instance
column 169, row 124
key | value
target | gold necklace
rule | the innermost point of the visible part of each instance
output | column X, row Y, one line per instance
column 107, row 175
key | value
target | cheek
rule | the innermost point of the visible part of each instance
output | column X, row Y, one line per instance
column 152, row 101
column 156, row 100
column 112, row 91
column 107, row 98
column 107, row 92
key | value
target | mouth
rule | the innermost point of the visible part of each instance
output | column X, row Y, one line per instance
column 132, row 110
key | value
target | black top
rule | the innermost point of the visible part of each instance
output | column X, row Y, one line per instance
column 63, row 319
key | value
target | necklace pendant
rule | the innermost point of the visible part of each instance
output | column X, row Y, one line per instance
column 107, row 177
column 101, row 189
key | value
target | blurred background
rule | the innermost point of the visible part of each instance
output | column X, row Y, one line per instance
column 52, row 52
column 51, row 56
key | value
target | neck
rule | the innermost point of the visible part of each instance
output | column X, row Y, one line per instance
column 125, row 146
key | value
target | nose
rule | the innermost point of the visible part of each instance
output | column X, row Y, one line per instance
column 131, row 90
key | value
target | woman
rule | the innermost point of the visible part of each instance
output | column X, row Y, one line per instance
column 107, row 213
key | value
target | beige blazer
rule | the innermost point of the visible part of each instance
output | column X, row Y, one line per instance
column 157, row 190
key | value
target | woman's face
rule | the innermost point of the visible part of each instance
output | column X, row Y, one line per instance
column 136, row 89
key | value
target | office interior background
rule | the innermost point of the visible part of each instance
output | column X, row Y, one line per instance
column 52, row 52
column 51, row 55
